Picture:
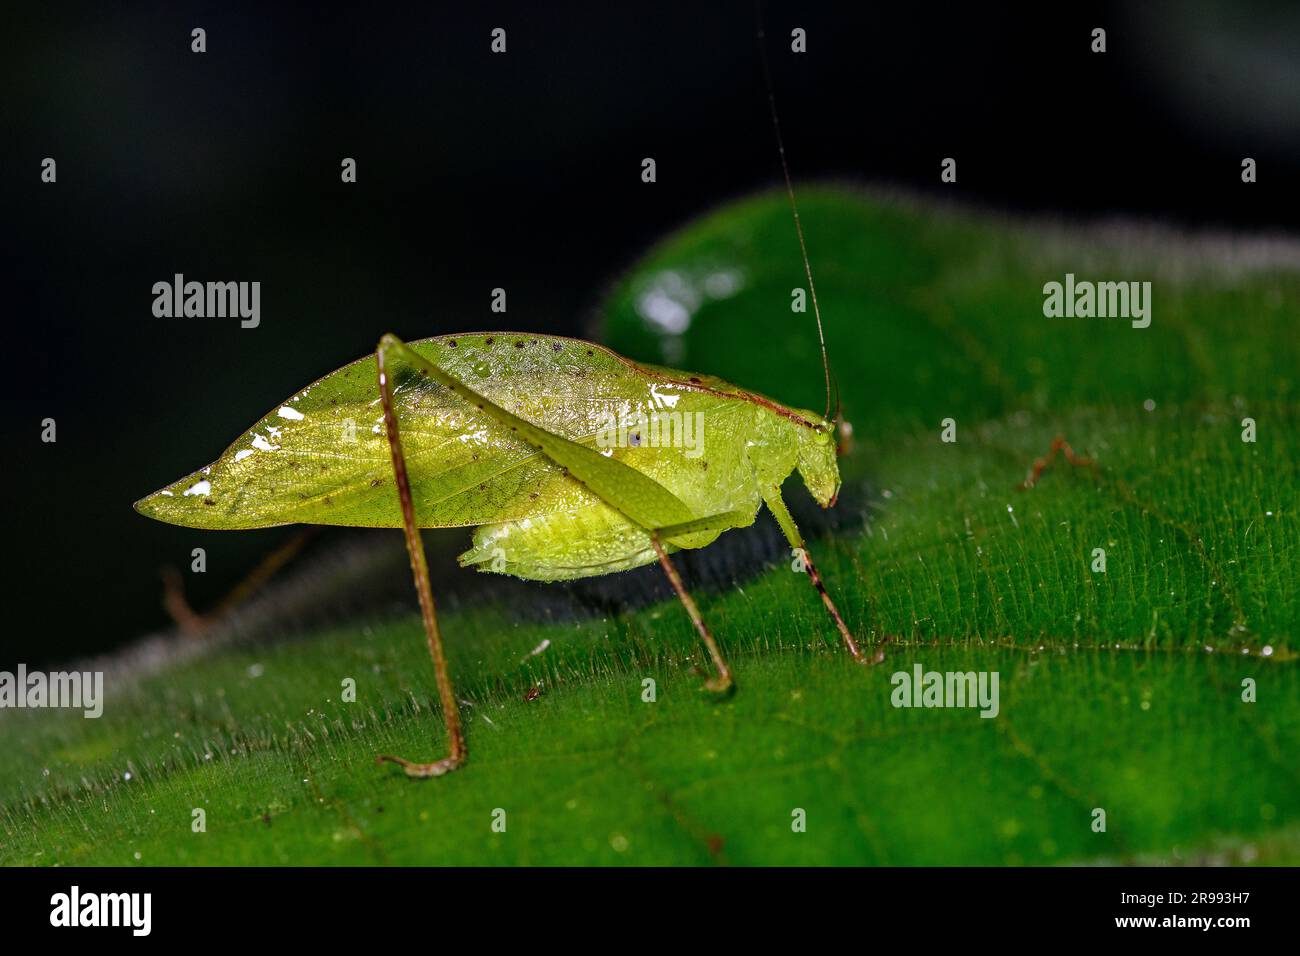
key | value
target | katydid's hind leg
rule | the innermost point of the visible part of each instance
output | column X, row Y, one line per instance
column 194, row 623
column 177, row 605
column 420, row 571
column 776, row 505
column 721, row 683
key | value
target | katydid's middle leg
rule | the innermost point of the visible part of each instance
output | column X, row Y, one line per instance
column 776, row 505
column 420, row 570
column 722, row 682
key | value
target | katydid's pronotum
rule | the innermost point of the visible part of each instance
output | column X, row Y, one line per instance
column 503, row 432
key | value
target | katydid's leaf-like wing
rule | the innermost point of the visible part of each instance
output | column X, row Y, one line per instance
column 322, row 456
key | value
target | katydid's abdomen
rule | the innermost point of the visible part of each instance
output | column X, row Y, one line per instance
column 565, row 545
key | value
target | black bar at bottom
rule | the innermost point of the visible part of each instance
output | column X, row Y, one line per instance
column 523, row 907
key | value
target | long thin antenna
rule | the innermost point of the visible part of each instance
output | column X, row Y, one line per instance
column 794, row 207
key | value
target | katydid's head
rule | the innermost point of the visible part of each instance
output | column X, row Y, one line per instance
column 817, row 460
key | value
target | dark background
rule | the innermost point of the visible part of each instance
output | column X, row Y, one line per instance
column 519, row 170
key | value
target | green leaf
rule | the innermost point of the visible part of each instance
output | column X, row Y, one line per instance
column 1120, row 691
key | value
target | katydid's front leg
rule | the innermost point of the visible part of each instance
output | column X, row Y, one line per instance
column 420, row 570
column 776, row 505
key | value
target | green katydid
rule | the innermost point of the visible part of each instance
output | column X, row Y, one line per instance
column 503, row 432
